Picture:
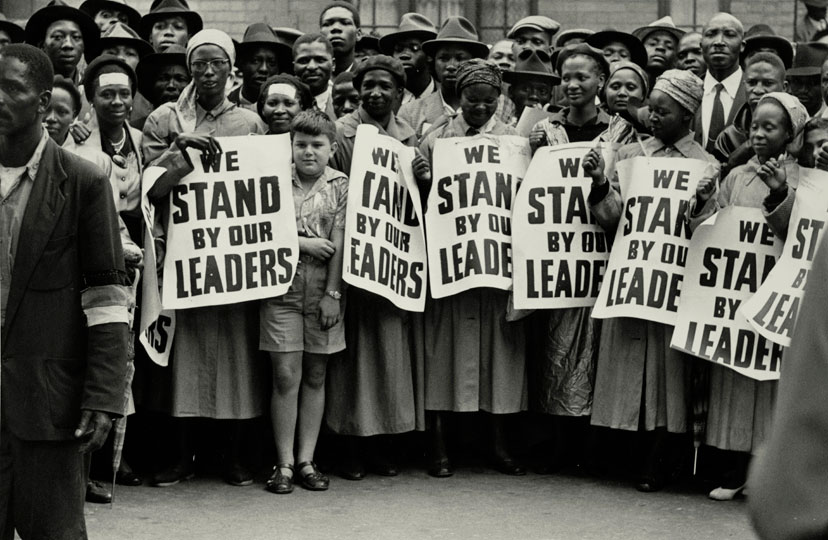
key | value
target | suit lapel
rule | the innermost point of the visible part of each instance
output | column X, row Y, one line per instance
column 738, row 101
column 42, row 212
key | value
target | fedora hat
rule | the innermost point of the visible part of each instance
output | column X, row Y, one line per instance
column 162, row 9
column 664, row 24
column 573, row 33
column 57, row 10
column 151, row 64
column 767, row 39
column 535, row 65
column 816, row 3
column 638, row 54
column 412, row 25
column 457, row 31
column 119, row 33
column 369, row 42
column 15, row 32
column 808, row 59
column 287, row 35
column 92, row 7
column 261, row 35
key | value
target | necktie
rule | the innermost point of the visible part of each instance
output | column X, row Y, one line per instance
column 717, row 119
column 472, row 131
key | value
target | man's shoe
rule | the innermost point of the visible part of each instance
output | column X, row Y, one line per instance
column 97, row 493
column 123, row 478
column 238, row 475
column 440, row 468
column 172, row 476
column 509, row 466
column 352, row 469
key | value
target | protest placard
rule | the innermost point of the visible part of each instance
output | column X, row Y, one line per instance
column 385, row 250
column 773, row 309
column 730, row 255
column 231, row 233
column 646, row 265
column 469, row 214
column 156, row 328
column 560, row 252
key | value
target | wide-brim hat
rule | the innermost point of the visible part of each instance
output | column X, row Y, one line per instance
column 581, row 48
column 95, row 66
column 457, row 31
column 15, row 32
column 638, row 54
column 92, row 7
column 57, row 10
column 784, row 48
column 162, row 9
column 664, row 24
column 582, row 33
column 808, row 59
column 368, row 42
column 533, row 65
column 412, row 25
column 816, row 3
column 151, row 64
column 287, row 35
column 119, row 33
column 261, row 35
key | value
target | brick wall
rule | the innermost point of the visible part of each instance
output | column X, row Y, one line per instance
column 234, row 15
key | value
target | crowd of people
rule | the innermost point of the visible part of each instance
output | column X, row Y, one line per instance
column 127, row 91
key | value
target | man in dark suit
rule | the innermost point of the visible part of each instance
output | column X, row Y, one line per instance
column 63, row 310
column 724, row 92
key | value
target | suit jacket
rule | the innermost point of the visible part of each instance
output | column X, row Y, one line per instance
column 738, row 102
column 69, row 260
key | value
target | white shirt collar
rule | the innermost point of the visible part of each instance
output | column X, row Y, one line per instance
column 322, row 99
column 731, row 83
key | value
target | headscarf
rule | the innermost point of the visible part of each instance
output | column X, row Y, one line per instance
column 797, row 114
column 477, row 71
column 624, row 64
column 683, row 86
column 185, row 107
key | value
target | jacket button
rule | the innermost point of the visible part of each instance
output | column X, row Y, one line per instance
column 123, row 196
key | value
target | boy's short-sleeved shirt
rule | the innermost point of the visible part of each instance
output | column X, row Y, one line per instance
column 321, row 209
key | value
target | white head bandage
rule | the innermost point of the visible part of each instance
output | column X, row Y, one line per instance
column 282, row 88
column 107, row 79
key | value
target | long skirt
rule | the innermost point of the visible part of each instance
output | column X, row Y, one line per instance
column 372, row 387
column 216, row 369
column 563, row 347
column 474, row 359
column 740, row 410
column 640, row 382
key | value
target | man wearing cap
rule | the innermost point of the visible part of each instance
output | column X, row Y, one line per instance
column 689, row 55
column 371, row 388
column 572, row 37
column 660, row 39
column 618, row 46
column 812, row 21
column 804, row 78
column 533, row 32
column 456, row 42
column 406, row 45
column 339, row 22
column 169, row 22
column 640, row 382
column 105, row 13
column 10, row 32
column 724, row 92
column 63, row 312
column 531, row 82
column 260, row 55
column 65, row 34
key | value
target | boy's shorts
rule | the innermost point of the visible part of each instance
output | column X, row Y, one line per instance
column 290, row 323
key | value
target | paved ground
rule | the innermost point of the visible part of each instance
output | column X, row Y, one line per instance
column 474, row 504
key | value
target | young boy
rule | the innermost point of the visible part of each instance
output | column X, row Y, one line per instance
column 304, row 327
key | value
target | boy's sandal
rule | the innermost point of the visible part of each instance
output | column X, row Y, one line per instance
column 278, row 482
column 314, row 480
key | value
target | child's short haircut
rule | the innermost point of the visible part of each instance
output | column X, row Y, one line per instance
column 345, row 76
column 768, row 58
column 806, row 155
column 314, row 123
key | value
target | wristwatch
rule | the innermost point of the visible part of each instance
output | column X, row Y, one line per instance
column 336, row 295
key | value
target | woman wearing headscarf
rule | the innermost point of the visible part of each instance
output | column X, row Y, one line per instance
column 475, row 359
column 281, row 98
column 214, row 369
column 641, row 384
column 740, row 409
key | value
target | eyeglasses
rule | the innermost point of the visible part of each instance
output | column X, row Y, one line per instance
column 200, row 66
